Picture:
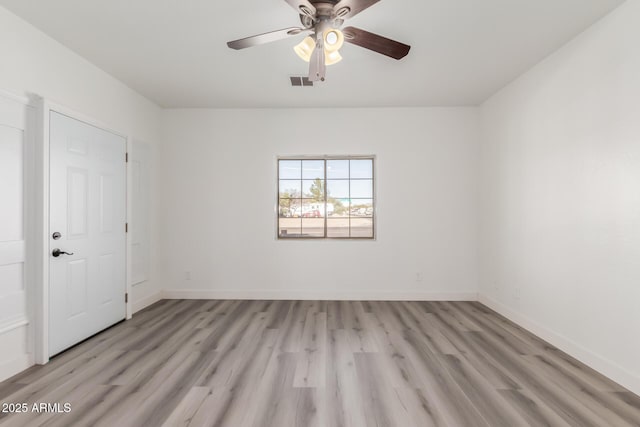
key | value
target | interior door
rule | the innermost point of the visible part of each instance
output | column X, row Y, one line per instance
column 87, row 225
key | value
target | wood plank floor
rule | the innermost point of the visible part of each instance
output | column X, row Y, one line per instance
column 318, row 363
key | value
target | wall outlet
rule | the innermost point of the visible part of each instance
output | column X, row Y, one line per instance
column 187, row 275
column 517, row 293
column 418, row 277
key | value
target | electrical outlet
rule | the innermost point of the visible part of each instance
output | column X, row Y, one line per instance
column 187, row 275
column 418, row 277
column 517, row 293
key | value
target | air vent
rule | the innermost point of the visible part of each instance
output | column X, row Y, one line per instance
column 300, row 81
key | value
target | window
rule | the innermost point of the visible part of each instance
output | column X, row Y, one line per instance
column 328, row 197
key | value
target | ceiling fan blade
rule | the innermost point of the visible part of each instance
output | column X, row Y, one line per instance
column 303, row 7
column 376, row 43
column 317, row 66
column 265, row 38
column 355, row 7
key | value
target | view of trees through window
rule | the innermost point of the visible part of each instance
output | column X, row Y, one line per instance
column 326, row 198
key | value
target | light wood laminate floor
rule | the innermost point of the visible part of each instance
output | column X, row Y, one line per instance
column 318, row 363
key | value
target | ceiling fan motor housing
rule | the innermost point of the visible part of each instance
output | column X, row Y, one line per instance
column 325, row 17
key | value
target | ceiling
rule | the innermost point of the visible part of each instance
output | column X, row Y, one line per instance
column 174, row 51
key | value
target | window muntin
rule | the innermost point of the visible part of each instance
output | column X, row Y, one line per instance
column 331, row 197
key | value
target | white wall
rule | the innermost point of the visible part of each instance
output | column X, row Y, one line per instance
column 561, row 198
column 219, row 194
column 32, row 63
column 17, row 139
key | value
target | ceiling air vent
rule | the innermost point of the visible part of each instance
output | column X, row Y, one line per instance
column 301, row 81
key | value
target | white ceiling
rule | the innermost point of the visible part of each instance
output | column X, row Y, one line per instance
column 174, row 51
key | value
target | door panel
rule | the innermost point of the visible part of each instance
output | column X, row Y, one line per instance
column 107, row 199
column 88, row 208
column 106, row 269
column 77, row 209
column 76, row 288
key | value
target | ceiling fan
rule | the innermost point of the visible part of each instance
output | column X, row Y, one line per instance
column 322, row 21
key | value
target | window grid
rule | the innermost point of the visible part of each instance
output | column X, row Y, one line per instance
column 325, row 216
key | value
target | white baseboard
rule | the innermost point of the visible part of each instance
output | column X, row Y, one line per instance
column 319, row 295
column 586, row 356
column 15, row 366
column 147, row 301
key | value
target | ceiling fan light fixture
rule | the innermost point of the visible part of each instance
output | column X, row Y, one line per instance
column 331, row 58
column 305, row 48
column 333, row 40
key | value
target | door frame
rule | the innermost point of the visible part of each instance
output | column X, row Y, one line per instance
column 41, row 195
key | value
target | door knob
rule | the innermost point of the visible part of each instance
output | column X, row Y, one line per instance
column 57, row 252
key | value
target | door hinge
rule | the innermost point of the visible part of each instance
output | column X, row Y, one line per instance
column 126, row 227
column 126, row 157
column 126, row 298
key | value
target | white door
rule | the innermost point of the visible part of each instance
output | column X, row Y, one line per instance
column 87, row 225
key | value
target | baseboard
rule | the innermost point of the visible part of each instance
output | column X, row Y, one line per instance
column 147, row 301
column 15, row 366
column 319, row 295
column 605, row 367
